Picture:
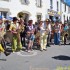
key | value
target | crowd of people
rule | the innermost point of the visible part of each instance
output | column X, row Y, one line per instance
column 27, row 34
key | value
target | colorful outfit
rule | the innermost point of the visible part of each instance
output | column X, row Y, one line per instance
column 43, row 37
column 2, row 48
column 31, row 37
column 16, row 42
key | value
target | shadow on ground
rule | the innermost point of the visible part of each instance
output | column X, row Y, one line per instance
column 61, row 57
column 65, row 44
column 3, row 60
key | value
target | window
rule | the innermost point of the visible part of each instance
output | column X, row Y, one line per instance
column 57, row 6
column 4, row 13
column 25, row 2
column 65, row 7
column 39, row 17
column 39, row 3
column 68, row 9
column 64, row 17
column 51, row 4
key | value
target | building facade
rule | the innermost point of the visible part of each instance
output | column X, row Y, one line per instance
column 65, row 12
column 35, row 9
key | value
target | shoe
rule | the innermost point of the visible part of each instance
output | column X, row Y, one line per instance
column 45, row 49
column 48, row 46
column 7, row 53
column 28, row 51
column 31, row 49
column 41, row 50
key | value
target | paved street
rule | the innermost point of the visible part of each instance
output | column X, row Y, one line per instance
column 55, row 58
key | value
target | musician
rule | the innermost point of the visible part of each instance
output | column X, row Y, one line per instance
column 48, row 23
column 31, row 30
column 57, row 29
column 15, row 29
column 22, row 28
column 2, row 41
column 43, row 35
column 65, row 29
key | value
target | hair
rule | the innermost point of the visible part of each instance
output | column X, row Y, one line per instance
column 15, row 19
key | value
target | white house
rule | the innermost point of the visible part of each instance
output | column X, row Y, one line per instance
column 34, row 9
column 65, row 12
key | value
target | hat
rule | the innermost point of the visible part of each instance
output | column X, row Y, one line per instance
column 15, row 18
column 0, row 17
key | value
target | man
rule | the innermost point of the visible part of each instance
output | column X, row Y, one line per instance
column 65, row 32
column 57, row 29
column 48, row 23
column 43, row 35
column 2, row 42
column 15, row 29
column 31, row 30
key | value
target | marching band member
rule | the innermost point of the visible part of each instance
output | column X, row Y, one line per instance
column 2, row 42
column 31, row 31
column 43, row 35
column 15, row 29
column 57, row 29
column 48, row 23
column 65, row 32
column 22, row 28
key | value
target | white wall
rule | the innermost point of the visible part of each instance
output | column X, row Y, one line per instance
column 15, row 7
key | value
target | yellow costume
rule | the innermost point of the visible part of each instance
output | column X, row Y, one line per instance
column 16, row 43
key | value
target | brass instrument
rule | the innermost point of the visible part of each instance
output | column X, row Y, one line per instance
column 22, row 28
column 66, row 33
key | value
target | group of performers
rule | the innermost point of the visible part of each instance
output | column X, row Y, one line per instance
column 24, row 34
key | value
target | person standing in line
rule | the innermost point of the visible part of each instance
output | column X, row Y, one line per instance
column 15, row 29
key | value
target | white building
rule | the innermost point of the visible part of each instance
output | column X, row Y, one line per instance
column 65, row 12
column 34, row 9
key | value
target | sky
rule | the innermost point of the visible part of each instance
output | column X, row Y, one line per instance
column 67, row 2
